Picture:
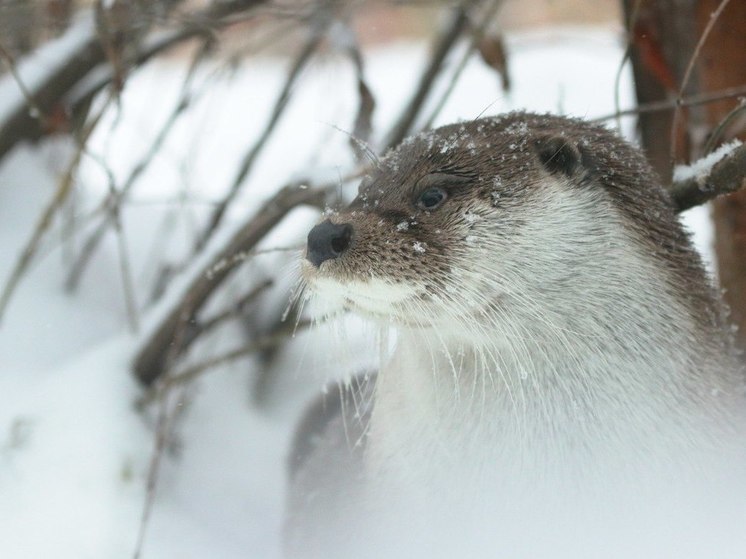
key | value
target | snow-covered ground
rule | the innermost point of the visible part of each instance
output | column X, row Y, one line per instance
column 74, row 451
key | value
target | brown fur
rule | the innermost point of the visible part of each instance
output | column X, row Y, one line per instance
column 500, row 160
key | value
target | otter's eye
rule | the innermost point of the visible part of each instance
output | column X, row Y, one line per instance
column 432, row 198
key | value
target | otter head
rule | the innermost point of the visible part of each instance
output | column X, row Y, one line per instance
column 524, row 212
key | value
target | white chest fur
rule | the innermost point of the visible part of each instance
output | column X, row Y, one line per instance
column 556, row 397
column 525, row 466
column 617, row 419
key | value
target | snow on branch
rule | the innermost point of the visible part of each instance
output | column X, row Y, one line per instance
column 180, row 327
column 721, row 172
column 41, row 90
column 32, row 88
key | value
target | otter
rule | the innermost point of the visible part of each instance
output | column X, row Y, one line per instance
column 562, row 382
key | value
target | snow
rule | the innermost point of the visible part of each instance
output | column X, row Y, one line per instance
column 62, row 476
column 74, row 450
column 701, row 168
column 36, row 68
column 697, row 222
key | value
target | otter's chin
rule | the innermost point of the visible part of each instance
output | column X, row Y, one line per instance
column 372, row 298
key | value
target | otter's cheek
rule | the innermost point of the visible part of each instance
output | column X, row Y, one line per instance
column 325, row 297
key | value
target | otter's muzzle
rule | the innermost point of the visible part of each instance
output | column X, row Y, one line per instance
column 327, row 241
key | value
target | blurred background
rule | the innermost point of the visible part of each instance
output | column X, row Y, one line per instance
column 161, row 163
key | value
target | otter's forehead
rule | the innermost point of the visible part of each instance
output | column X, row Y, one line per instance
column 486, row 153
column 519, row 150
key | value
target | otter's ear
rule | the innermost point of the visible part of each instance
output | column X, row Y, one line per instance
column 558, row 155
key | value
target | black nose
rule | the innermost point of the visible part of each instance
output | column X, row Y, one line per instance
column 327, row 241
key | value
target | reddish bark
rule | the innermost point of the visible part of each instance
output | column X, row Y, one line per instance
column 722, row 64
column 664, row 36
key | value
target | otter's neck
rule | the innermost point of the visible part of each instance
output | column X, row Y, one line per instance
column 622, row 369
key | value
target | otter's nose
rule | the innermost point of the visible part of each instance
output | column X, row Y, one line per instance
column 327, row 241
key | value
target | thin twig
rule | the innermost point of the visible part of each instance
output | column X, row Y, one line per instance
column 688, row 73
column 235, row 309
column 443, row 45
column 166, row 416
column 130, row 299
column 477, row 36
column 45, row 221
column 34, row 109
column 113, row 204
column 248, row 160
column 241, row 257
column 671, row 104
column 167, row 413
column 191, row 373
column 363, row 126
column 150, row 362
column 727, row 120
column 625, row 57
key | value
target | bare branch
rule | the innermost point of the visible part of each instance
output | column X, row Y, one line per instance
column 688, row 73
column 445, row 41
column 201, row 24
column 54, row 91
column 625, row 57
column 363, row 126
column 169, row 406
column 477, row 36
column 726, row 176
column 248, row 160
column 236, row 309
column 10, row 62
column 45, row 221
column 189, row 374
column 23, row 123
column 154, row 357
column 723, row 125
column 113, row 203
column 671, row 104
column 125, row 268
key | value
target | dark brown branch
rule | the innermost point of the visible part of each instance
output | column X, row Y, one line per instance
column 53, row 93
column 177, row 331
column 363, row 125
column 443, row 45
column 248, row 160
column 477, row 38
column 671, row 104
column 170, row 407
column 236, row 309
column 46, row 218
column 23, row 124
column 733, row 116
column 201, row 24
column 630, row 25
column 714, row 17
column 114, row 201
column 10, row 62
column 726, row 176
column 262, row 343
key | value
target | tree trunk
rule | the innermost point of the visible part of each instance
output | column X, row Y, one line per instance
column 664, row 36
column 723, row 64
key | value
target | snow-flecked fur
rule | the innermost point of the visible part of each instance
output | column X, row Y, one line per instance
column 562, row 383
